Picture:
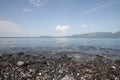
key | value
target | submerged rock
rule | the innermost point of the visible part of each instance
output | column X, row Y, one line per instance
column 21, row 53
column 41, row 56
column 117, row 61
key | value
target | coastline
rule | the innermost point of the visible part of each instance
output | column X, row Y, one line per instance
column 23, row 66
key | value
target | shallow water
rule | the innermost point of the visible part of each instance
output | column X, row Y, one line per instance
column 37, row 45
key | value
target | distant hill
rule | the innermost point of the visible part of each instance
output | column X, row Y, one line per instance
column 118, row 32
column 46, row 37
column 97, row 35
column 89, row 35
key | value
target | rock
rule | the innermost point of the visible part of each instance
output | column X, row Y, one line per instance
column 20, row 63
column 41, row 56
column 65, row 57
column 113, row 67
column 99, row 56
column 40, row 74
column 67, row 78
column 6, row 56
column 28, row 67
column 117, row 61
column 21, row 53
column 4, row 64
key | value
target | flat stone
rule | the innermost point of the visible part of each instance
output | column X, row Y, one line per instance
column 4, row 64
column 20, row 63
column 41, row 56
column 67, row 78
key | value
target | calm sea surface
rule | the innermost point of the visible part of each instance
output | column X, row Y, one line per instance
column 37, row 45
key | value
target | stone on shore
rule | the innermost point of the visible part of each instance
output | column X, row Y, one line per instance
column 67, row 78
column 4, row 64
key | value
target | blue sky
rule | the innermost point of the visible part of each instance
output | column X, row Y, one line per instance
column 58, row 17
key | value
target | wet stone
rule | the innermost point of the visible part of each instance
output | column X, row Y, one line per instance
column 21, row 53
column 67, row 78
column 41, row 56
column 4, row 64
column 20, row 63
column 28, row 67
column 117, row 61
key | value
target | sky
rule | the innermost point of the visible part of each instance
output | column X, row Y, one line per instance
column 21, row 18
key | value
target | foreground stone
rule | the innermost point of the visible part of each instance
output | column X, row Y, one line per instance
column 67, row 78
column 28, row 67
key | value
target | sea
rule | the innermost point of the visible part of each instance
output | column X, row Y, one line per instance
column 34, row 45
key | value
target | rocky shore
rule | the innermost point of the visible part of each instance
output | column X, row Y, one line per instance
column 23, row 66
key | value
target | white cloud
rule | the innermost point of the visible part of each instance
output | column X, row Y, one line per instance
column 38, row 2
column 8, row 28
column 62, row 28
column 27, row 10
column 83, row 26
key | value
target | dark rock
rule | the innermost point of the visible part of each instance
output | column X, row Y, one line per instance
column 117, row 61
column 21, row 53
column 65, row 57
column 99, row 58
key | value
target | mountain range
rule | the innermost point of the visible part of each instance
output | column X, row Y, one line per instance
column 97, row 35
column 90, row 35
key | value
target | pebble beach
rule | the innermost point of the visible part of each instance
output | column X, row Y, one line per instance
column 23, row 66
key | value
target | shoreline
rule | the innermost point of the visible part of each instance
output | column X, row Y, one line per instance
column 24, row 66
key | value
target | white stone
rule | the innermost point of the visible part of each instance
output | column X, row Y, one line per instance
column 20, row 63
column 67, row 78
column 78, row 73
column 60, row 71
column 113, row 67
column 39, row 74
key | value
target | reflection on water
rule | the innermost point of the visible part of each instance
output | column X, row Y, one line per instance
column 62, row 42
column 36, row 45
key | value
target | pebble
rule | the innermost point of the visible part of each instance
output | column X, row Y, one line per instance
column 113, row 67
column 67, row 78
column 40, row 74
column 41, row 56
column 4, row 64
column 61, row 68
column 20, row 63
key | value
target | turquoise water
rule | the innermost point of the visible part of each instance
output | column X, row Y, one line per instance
column 36, row 45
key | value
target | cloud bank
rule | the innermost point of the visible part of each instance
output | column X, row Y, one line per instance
column 9, row 29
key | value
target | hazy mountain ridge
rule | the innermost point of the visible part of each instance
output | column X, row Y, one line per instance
column 86, row 35
column 98, row 35
column 89, row 35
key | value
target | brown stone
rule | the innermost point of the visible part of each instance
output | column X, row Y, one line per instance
column 4, row 64
column 41, row 56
